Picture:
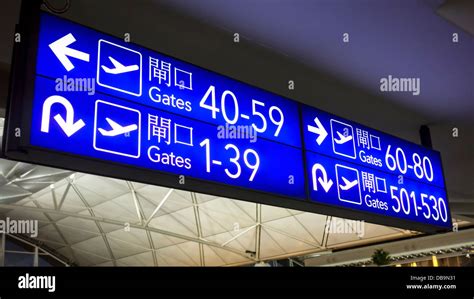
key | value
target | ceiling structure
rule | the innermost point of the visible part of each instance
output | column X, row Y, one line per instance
column 99, row 221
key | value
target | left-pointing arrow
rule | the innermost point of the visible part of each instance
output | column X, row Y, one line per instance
column 62, row 51
column 68, row 126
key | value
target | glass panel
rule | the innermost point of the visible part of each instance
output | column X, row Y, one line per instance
column 15, row 245
column 18, row 259
column 42, row 262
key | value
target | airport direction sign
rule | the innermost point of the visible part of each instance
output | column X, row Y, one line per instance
column 102, row 105
column 360, row 168
column 152, row 111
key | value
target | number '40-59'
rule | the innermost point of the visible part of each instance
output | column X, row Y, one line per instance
column 274, row 113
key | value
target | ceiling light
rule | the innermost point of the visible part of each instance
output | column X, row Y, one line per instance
column 262, row 264
column 316, row 254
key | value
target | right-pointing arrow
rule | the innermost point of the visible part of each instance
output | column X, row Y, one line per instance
column 319, row 129
column 62, row 51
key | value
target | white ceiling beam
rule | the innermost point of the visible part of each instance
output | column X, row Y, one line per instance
column 158, row 207
column 117, row 222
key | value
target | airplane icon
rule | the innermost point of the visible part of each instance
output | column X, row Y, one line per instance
column 117, row 129
column 119, row 68
column 348, row 185
column 342, row 139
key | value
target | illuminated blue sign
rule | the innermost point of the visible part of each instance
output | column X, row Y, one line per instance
column 98, row 98
column 359, row 168
column 151, row 111
column 145, row 77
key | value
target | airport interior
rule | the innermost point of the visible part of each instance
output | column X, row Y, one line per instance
column 324, row 54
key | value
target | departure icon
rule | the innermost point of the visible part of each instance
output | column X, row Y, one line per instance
column 348, row 184
column 343, row 139
column 117, row 129
column 119, row 68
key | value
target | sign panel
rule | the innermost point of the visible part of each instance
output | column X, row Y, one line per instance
column 158, row 81
column 152, row 111
column 94, row 103
column 358, row 144
column 359, row 168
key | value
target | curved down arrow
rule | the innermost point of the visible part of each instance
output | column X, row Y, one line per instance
column 68, row 126
column 325, row 183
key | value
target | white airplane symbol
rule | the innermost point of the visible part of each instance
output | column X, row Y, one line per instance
column 119, row 68
column 342, row 139
column 117, row 129
column 348, row 185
